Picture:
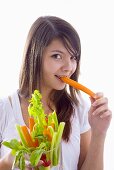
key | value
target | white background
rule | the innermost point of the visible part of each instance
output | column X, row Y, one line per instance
column 93, row 19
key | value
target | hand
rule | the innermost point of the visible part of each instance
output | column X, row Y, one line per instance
column 99, row 114
column 28, row 165
column 6, row 162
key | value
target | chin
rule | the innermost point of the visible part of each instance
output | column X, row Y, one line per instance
column 59, row 88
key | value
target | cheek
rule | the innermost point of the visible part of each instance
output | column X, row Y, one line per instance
column 45, row 67
column 51, row 67
column 48, row 69
column 74, row 67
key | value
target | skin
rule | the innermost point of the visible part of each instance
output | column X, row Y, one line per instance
column 99, row 119
column 58, row 62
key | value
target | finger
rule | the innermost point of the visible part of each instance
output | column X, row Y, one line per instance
column 100, row 101
column 27, row 163
column 100, row 109
column 106, row 114
column 27, row 157
column 98, row 95
column 92, row 99
column 92, row 108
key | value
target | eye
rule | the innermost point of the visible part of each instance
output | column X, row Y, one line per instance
column 57, row 56
column 73, row 58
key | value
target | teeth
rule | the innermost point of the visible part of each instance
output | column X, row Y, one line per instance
column 63, row 76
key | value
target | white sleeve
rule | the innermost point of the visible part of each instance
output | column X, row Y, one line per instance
column 85, row 126
column 2, row 121
column 4, row 116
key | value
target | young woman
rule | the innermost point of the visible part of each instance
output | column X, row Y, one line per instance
column 53, row 50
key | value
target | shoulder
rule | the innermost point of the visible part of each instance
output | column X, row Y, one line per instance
column 6, row 103
column 4, row 107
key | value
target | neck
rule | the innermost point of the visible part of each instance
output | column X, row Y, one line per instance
column 48, row 104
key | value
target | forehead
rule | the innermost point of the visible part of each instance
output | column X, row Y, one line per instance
column 59, row 45
column 55, row 44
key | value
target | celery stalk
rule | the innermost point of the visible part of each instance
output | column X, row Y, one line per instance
column 55, row 157
column 52, row 147
column 59, row 133
column 56, row 151
column 55, row 120
column 21, row 136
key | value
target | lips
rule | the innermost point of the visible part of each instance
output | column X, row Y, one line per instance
column 59, row 76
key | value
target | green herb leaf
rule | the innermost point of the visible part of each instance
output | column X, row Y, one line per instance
column 35, row 156
column 13, row 144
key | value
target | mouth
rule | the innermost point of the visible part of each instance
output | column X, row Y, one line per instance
column 59, row 77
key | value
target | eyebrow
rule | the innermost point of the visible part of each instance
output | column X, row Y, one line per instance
column 58, row 51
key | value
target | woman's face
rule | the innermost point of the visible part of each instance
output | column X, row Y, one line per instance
column 56, row 62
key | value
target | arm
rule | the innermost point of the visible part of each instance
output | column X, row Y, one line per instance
column 91, row 155
column 84, row 145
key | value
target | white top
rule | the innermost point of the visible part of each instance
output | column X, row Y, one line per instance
column 11, row 115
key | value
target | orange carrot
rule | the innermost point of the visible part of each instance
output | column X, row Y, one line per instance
column 31, row 123
column 53, row 125
column 27, row 136
column 46, row 118
column 47, row 133
column 36, row 143
column 31, row 126
column 77, row 86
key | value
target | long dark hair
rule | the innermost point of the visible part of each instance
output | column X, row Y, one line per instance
column 41, row 34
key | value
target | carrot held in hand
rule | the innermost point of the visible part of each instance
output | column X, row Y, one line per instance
column 77, row 86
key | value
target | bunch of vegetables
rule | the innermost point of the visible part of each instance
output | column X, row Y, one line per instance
column 41, row 141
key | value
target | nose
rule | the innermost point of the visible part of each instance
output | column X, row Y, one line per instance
column 67, row 65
